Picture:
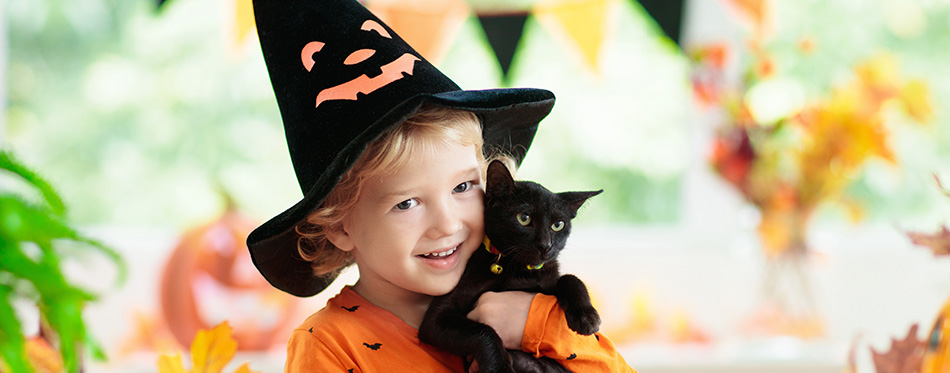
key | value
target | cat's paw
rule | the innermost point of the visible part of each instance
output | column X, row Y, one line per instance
column 583, row 320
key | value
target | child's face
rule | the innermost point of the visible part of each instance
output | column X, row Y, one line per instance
column 413, row 229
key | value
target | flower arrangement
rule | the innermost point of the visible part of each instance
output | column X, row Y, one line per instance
column 788, row 151
column 786, row 156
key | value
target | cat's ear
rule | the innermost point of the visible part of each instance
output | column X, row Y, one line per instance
column 576, row 199
column 499, row 178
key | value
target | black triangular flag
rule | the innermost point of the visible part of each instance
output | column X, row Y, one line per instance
column 668, row 14
column 503, row 32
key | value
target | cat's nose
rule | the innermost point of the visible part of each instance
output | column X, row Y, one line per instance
column 545, row 245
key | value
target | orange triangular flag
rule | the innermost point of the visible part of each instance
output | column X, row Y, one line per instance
column 240, row 25
column 584, row 22
column 428, row 26
column 757, row 12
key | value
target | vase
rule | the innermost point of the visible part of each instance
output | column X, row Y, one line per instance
column 785, row 303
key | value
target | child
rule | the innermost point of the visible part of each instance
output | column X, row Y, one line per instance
column 389, row 154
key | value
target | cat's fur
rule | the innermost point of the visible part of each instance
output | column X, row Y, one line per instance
column 521, row 244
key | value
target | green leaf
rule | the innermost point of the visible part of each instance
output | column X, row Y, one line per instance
column 55, row 203
column 12, row 342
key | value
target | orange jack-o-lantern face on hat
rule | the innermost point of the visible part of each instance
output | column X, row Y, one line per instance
column 389, row 72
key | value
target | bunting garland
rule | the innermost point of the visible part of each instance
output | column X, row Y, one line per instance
column 429, row 27
column 756, row 12
column 242, row 22
column 583, row 22
column 668, row 14
column 504, row 32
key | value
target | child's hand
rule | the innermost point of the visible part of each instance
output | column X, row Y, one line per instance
column 506, row 312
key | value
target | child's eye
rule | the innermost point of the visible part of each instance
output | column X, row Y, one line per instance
column 407, row 204
column 463, row 187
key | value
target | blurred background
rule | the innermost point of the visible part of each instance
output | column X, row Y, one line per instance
column 772, row 168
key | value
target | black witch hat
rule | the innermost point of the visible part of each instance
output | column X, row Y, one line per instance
column 342, row 78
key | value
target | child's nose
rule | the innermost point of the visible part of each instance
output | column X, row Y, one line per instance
column 445, row 220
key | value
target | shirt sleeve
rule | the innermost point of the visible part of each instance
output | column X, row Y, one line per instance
column 547, row 334
column 307, row 353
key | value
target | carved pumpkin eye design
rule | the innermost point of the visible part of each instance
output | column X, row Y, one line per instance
column 557, row 226
column 397, row 69
column 306, row 54
column 358, row 56
column 523, row 218
column 371, row 25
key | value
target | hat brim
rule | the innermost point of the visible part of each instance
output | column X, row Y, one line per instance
column 509, row 120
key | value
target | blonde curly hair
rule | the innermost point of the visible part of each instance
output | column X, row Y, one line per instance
column 430, row 125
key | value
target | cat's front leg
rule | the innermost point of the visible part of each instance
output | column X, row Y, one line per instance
column 526, row 363
column 447, row 328
column 573, row 298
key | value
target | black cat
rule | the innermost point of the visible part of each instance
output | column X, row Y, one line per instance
column 527, row 226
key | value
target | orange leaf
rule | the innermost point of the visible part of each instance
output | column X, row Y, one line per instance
column 213, row 349
column 938, row 242
column 879, row 74
column 170, row 364
column 905, row 356
column 245, row 368
column 42, row 356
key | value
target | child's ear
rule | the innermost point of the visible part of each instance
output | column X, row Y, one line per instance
column 340, row 238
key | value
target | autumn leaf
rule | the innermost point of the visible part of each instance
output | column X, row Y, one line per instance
column 938, row 242
column 42, row 356
column 170, row 364
column 212, row 349
column 879, row 74
column 905, row 356
column 245, row 368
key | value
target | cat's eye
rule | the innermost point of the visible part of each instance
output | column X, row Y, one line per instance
column 557, row 226
column 523, row 218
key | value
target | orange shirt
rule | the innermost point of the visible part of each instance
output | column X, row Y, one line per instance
column 352, row 335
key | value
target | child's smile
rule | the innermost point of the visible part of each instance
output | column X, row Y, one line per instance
column 441, row 259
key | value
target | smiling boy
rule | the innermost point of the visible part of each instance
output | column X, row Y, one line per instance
column 391, row 169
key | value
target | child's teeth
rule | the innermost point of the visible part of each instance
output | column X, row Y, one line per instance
column 439, row 255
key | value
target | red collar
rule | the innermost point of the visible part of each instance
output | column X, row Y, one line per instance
column 495, row 268
column 491, row 248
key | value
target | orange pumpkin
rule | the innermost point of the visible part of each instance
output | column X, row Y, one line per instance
column 210, row 278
